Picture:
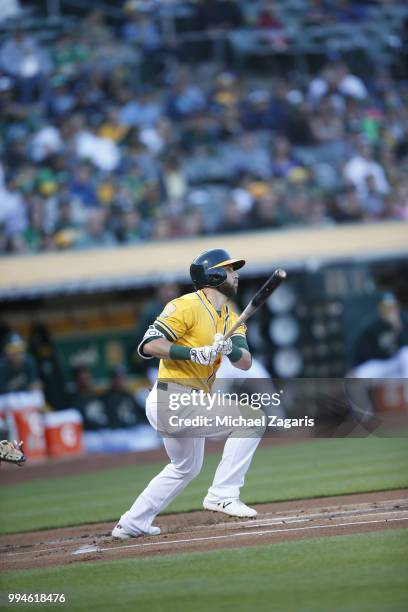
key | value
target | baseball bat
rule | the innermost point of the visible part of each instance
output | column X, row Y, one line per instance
column 259, row 298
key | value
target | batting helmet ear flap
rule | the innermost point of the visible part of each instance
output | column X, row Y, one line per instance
column 203, row 277
column 207, row 268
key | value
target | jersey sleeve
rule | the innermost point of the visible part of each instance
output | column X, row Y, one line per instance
column 174, row 320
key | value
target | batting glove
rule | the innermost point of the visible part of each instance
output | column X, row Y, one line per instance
column 224, row 346
column 204, row 355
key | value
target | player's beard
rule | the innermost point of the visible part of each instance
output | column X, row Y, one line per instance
column 228, row 289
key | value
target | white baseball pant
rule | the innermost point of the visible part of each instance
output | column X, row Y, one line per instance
column 186, row 459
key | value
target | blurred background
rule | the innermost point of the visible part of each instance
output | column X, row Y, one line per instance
column 135, row 135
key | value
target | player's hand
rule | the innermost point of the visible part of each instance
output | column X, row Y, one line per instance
column 204, row 355
column 223, row 346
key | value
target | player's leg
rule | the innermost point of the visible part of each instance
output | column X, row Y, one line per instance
column 229, row 477
column 223, row 494
column 186, row 459
column 186, row 456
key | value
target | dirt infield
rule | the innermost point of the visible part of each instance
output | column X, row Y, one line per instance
column 200, row 531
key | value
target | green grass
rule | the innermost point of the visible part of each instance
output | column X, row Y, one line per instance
column 354, row 573
column 309, row 469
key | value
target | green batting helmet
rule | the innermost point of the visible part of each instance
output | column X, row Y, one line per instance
column 207, row 268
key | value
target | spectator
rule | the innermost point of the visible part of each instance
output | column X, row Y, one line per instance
column 318, row 214
column 174, row 181
column 347, row 208
column 13, row 212
column 96, row 235
column 130, row 230
column 242, row 195
column 33, row 233
column 184, row 100
column 41, row 346
column 141, row 30
column 258, row 113
column 139, row 111
column 45, row 142
column 295, row 123
column 156, row 138
column 65, row 219
column 28, row 64
column 150, row 201
column 62, row 101
column 380, row 351
column 265, row 213
column 282, row 160
column 279, row 103
column 267, row 18
column 94, row 30
column 373, row 202
column 336, row 82
column 120, row 405
column 81, row 186
column 383, row 334
column 362, row 165
column 226, row 92
column 68, row 54
column 82, row 396
column 102, row 152
column 112, row 128
column 247, row 155
column 270, row 28
column 297, row 209
column 18, row 371
column 232, row 219
column 326, row 126
column 192, row 224
column 400, row 205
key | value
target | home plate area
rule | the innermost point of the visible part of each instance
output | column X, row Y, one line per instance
column 203, row 530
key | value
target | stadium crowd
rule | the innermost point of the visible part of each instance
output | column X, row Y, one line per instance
column 113, row 135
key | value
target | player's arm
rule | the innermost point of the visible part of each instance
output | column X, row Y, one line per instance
column 157, row 347
column 170, row 325
column 240, row 357
column 162, row 339
column 236, row 347
column 157, row 343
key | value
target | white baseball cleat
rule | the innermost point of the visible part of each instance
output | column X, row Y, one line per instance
column 233, row 507
column 120, row 534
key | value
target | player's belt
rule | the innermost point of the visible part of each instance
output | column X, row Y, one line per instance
column 163, row 386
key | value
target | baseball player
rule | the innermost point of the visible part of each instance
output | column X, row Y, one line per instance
column 184, row 338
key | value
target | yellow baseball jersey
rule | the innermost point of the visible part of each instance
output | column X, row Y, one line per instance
column 191, row 320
